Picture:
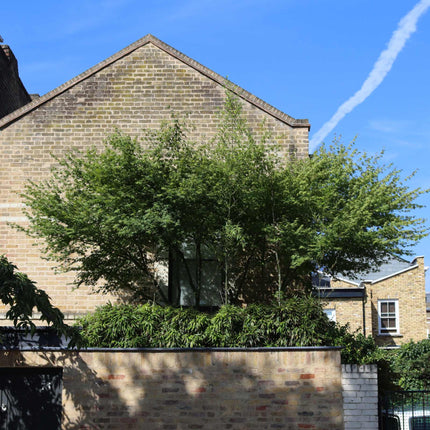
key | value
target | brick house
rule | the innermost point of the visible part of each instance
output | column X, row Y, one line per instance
column 135, row 89
column 388, row 303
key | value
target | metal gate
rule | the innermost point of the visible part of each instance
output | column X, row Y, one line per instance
column 30, row 398
column 405, row 410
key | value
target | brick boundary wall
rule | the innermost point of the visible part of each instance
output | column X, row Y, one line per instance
column 360, row 396
column 267, row 388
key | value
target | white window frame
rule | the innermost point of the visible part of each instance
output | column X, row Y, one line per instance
column 395, row 315
column 331, row 314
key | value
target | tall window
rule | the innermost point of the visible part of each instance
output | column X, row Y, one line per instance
column 183, row 272
column 388, row 316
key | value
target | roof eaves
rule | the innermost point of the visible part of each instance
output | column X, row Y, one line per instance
column 239, row 91
column 5, row 121
column 149, row 38
column 339, row 293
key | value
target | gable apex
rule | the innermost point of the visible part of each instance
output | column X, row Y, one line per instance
column 149, row 38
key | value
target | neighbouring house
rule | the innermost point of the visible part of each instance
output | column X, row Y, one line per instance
column 388, row 303
column 135, row 89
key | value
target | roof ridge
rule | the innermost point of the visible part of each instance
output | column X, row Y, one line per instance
column 149, row 38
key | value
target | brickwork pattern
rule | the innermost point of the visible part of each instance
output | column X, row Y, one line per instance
column 132, row 92
column 407, row 287
column 347, row 310
column 360, row 396
column 282, row 389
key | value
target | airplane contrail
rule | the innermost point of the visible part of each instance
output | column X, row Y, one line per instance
column 405, row 28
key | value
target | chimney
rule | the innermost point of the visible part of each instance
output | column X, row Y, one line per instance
column 13, row 94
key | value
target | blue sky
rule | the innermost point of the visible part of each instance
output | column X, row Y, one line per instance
column 305, row 57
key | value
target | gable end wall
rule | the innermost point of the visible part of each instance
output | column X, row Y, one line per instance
column 135, row 92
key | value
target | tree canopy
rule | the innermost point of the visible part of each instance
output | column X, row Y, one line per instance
column 231, row 218
column 21, row 295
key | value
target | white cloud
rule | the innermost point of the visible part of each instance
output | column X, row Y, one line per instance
column 382, row 66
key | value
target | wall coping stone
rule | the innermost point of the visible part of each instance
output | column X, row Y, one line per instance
column 173, row 350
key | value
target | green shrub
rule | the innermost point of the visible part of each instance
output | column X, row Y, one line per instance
column 299, row 321
column 405, row 368
column 356, row 348
column 145, row 326
column 411, row 365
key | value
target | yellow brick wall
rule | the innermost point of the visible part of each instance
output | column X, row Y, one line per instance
column 234, row 390
column 349, row 310
column 407, row 287
column 137, row 91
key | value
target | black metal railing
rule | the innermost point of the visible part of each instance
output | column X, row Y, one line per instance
column 405, row 410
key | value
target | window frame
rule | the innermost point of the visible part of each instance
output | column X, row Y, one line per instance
column 331, row 313
column 388, row 315
column 178, row 285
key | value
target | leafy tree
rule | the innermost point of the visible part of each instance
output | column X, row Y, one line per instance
column 20, row 294
column 411, row 365
column 117, row 216
column 351, row 209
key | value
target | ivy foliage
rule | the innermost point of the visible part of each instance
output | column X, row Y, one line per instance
column 115, row 214
column 22, row 297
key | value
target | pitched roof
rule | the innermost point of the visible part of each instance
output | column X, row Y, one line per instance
column 281, row 116
column 391, row 267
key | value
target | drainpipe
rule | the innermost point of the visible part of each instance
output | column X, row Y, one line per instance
column 364, row 307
